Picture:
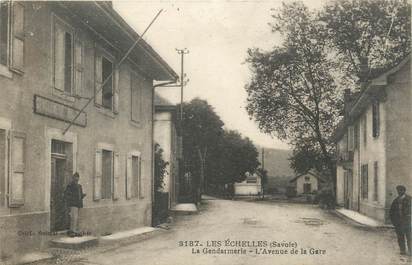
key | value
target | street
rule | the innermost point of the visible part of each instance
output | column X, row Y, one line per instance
column 267, row 232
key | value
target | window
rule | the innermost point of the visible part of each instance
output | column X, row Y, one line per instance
column 63, row 56
column 307, row 178
column 356, row 136
column 4, row 36
column 107, row 78
column 375, row 181
column 107, row 174
column 364, row 176
column 365, row 129
column 136, row 101
column 133, row 176
column 375, row 119
column 12, row 35
column 106, row 179
column 3, row 161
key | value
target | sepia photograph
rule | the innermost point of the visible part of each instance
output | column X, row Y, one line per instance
column 230, row 132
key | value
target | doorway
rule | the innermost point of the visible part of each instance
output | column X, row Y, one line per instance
column 348, row 175
column 61, row 171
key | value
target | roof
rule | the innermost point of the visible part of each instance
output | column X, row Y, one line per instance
column 163, row 104
column 312, row 172
column 364, row 99
column 101, row 18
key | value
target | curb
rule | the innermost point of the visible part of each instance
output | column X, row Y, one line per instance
column 359, row 224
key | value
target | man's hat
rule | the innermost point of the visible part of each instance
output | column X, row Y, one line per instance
column 401, row 187
column 76, row 175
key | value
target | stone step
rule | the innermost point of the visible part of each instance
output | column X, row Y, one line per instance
column 74, row 242
column 128, row 236
column 184, row 209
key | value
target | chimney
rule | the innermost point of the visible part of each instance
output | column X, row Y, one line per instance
column 347, row 101
column 363, row 71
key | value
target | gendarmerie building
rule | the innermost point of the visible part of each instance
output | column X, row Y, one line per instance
column 54, row 58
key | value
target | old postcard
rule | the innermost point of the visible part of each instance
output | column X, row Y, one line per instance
column 205, row 132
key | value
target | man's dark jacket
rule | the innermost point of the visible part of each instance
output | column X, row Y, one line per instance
column 74, row 195
column 401, row 219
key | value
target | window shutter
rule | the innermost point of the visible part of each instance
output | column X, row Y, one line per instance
column 116, row 90
column 129, row 177
column 116, row 176
column 78, row 64
column 59, row 54
column 98, row 176
column 351, row 138
column 17, row 38
column 140, row 189
column 98, row 85
column 17, row 167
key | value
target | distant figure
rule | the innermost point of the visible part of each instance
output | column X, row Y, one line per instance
column 74, row 200
column 400, row 214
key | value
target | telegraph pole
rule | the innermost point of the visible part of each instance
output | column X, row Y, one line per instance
column 182, row 170
column 182, row 53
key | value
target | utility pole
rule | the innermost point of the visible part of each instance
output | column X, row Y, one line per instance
column 182, row 53
column 263, row 158
column 182, row 169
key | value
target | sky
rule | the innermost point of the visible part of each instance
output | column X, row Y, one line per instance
column 217, row 35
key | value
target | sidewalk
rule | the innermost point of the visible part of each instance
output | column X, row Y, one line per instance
column 360, row 219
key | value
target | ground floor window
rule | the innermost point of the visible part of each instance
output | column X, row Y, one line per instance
column 375, row 180
column 107, row 174
column 364, row 177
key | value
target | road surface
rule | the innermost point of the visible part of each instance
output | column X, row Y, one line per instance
column 238, row 232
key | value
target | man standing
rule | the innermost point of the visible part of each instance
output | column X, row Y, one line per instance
column 400, row 214
column 74, row 200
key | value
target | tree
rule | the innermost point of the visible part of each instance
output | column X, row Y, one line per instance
column 159, row 168
column 369, row 34
column 202, row 128
column 234, row 156
column 292, row 93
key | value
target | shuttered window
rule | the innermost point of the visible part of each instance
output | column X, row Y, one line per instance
column 12, row 35
column 17, row 169
column 375, row 180
column 4, row 36
column 133, row 176
column 3, row 161
column 365, row 181
column 63, row 57
column 136, row 98
column 375, row 119
column 107, row 175
column 106, row 81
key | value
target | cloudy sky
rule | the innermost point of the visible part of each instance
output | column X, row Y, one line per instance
column 217, row 35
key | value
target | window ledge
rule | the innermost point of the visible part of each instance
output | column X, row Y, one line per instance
column 106, row 112
column 137, row 124
column 62, row 95
column 4, row 71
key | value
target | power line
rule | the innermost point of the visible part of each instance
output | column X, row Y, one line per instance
column 111, row 74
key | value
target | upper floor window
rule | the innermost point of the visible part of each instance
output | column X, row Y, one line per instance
column 4, row 36
column 63, row 56
column 375, row 119
column 365, row 129
column 12, row 35
column 107, row 76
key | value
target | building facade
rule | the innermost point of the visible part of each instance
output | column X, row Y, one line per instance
column 55, row 57
column 251, row 186
column 373, row 144
column 306, row 183
column 165, row 134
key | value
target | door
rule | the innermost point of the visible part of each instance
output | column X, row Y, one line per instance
column 307, row 188
column 58, row 210
column 348, row 189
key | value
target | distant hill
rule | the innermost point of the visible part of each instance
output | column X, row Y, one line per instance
column 278, row 166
